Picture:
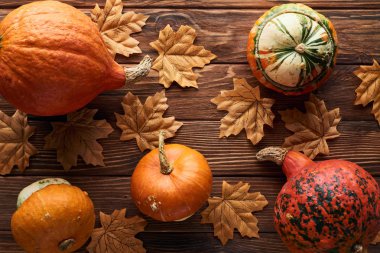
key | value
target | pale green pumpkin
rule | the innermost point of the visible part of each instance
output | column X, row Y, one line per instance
column 292, row 49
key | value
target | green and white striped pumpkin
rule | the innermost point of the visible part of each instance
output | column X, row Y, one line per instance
column 292, row 49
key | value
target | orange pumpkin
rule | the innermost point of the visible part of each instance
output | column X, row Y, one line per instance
column 53, row 60
column 171, row 183
column 52, row 217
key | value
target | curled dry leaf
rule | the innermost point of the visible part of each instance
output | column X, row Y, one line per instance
column 77, row 137
column 177, row 56
column 15, row 149
column 377, row 239
column 369, row 89
column 116, row 28
column 246, row 110
column 311, row 129
column 117, row 234
column 234, row 210
column 144, row 122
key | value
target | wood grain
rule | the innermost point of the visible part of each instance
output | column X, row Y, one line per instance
column 99, row 189
column 212, row 3
column 160, row 237
column 222, row 27
column 228, row 157
column 189, row 243
column 358, row 32
column 193, row 104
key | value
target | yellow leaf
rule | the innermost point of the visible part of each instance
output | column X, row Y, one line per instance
column 15, row 149
column 234, row 210
column 116, row 28
column 77, row 137
column 144, row 122
column 369, row 89
column 178, row 55
column 246, row 110
column 311, row 129
column 117, row 234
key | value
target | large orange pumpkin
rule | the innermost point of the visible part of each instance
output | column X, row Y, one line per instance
column 52, row 217
column 53, row 60
column 171, row 183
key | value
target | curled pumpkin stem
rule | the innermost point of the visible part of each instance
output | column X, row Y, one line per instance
column 273, row 154
column 134, row 74
column 166, row 167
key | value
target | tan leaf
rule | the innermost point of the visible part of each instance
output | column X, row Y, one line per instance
column 246, row 110
column 311, row 129
column 116, row 28
column 77, row 137
column 234, row 210
column 15, row 149
column 369, row 89
column 178, row 55
column 117, row 234
column 377, row 239
column 144, row 122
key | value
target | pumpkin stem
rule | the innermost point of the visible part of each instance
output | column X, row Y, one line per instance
column 358, row 248
column 66, row 244
column 292, row 162
column 166, row 167
column 273, row 154
column 300, row 48
column 134, row 74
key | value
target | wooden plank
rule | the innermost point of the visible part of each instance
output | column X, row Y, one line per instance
column 227, row 38
column 212, row 3
column 228, row 157
column 109, row 193
column 339, row 92
column 189, row 243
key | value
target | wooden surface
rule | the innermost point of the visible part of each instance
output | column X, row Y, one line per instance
column 222, row 27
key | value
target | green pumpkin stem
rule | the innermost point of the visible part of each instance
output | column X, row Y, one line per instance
column 66, row 244
column 166, row 167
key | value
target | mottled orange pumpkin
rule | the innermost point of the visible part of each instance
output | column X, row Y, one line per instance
column 171, row 182
column 52, row 217
column 53, row 60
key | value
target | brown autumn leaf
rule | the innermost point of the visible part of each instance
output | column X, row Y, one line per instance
column 246, row 110
column 311, row 129
column 15, row 149
column 234, row 210
column 116, row 28
column 144, row 122
column 377, row 239
column 117, row 234
column 369, row 90
column 177, row 56
column 77, row 137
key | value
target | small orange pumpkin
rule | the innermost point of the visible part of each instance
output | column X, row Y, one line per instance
column 52, row 217
column 53, row 60
column 171, row 182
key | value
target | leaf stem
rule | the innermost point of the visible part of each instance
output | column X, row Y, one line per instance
column 166, row 167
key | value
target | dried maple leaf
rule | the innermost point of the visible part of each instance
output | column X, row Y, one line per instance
column 377, row 239
column 178, row 55
column 234, row 210
column 144, row 122
column 116, row 28
column 117, row 234
column 245, row 110
column 77, row 137
column 311, row 129
column 369, row 89
column 15, row 149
